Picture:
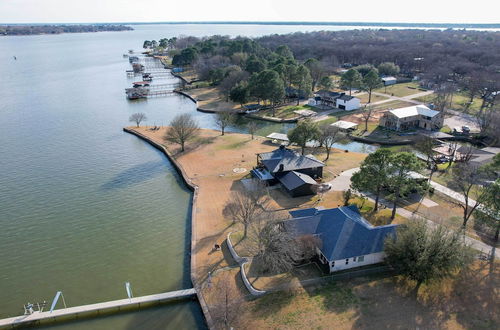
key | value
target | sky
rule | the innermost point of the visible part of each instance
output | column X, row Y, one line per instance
column 101, row 11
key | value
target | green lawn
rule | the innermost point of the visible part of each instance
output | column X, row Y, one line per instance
column 375, row 98
column 400, row 90
column 330, row 120
column 459, row 102
column 285, row 112
column 361, row 128
column 392, row 105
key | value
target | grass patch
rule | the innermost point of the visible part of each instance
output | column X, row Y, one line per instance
column 285, row 112
column 392, row 105
column 231, row 142
column 459, row 102
column 375, row 98
column 361, row 128
column 400, row 90
column 380, row 218
column 445, row 129
column 330, row 120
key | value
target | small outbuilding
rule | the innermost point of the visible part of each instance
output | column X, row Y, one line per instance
column 389, row 81
column 278, row 138
column 298, row 184
column 344, row 125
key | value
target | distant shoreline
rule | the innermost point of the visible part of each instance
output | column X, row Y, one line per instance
column 429, row 25
column 363, row 24
column 47, row 29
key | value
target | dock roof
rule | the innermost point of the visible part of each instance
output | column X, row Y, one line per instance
column 344, row 124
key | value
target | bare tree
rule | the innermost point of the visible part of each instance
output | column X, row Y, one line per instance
column 224, row 119
column 137, row 118
column 232, row 78
column 329, row 135
column 246, row 206
column 252, row 128
column 425, row 145
column 487, row 120
column 467, row 180
column 308, row 246
column 366, row 114
column 278, row 250
column 182, row 129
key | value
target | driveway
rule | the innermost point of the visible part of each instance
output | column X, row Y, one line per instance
column 343, row 182
column 459, row 120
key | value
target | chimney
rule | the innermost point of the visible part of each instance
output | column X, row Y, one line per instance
column 281, row 168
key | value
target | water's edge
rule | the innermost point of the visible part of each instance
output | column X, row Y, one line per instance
column 194, row 188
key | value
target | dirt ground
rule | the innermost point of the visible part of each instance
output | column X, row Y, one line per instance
column 210, row 161
column 468, row 301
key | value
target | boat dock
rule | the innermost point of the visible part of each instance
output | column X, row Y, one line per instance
column 95, row 309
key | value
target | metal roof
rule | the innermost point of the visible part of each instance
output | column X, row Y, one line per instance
column 344, row 124
column 293, row 180
column 346, row 97
column 278, row 136
column 343, row 231
column 289, row 159
column 414, row 110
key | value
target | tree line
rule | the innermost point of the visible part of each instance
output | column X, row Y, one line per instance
column 57, row 29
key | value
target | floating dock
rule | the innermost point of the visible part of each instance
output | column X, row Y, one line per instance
column 94, row 309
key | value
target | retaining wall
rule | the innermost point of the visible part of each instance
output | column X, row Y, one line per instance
column 193, row 187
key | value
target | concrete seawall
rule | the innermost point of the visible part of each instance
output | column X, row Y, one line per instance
column 193, row 187
column 195, row 102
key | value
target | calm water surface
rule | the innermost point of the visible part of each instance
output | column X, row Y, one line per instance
column 85, row 207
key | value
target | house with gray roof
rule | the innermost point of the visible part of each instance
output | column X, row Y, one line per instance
column 346, row 239
column 297, row 174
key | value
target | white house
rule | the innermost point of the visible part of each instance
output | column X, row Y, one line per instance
column 346, row 240
column 416, row 116
column 347, row 102
column 389, row 81
column 335, row 99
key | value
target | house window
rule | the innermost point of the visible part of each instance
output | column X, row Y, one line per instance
column 347, row 261
column 361, row 259
column 333, row 264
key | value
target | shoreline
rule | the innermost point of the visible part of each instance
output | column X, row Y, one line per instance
column 194, row 188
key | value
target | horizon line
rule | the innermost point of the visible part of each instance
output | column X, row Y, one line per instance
column 349, row 23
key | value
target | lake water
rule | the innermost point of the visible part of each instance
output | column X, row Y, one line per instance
column 85, row 207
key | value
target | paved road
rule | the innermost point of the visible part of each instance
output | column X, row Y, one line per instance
column 343, row 181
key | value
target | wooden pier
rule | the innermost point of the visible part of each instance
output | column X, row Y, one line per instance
column 94, row 309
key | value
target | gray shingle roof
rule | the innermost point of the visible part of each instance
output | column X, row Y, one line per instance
column 346, row 97
column 343, row 231
column 293, row 179
column 290, row 160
